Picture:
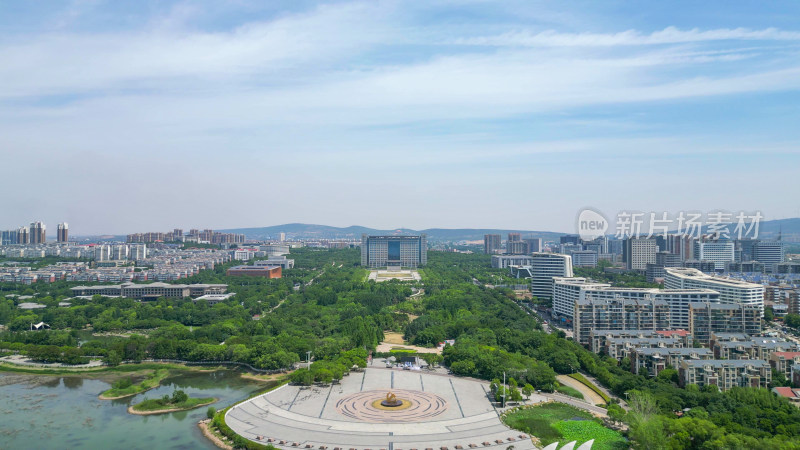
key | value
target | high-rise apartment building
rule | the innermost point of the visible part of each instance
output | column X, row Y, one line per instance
column 62, row 232
column 517, row 248
column 639, row 252
column 491, row 243
column 514, row 237
column 38, row 233
column 569, row 239
column 618, row 314
column 9, row 237
column 394, row 251
column 534, row 244
column 681, row 245
column 23, row 236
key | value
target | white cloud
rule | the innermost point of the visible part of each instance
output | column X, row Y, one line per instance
column 669, row 35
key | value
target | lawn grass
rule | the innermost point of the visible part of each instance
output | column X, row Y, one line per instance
column 590, row 385
column 584, row 430
column 572, row 392
column 153, row 380
column 557, row 422
column 157, row 404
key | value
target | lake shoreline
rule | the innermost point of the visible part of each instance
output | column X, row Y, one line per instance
column 165, row 411
column 205, row 428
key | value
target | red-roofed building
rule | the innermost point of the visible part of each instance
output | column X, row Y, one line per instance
column 683, row 335
column 783, row 361
column 792, row 394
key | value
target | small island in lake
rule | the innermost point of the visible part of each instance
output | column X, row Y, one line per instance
column 178, row 402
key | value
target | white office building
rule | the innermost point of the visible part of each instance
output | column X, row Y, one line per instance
column 769, row 253
column 566, row 290
column 719, row 252
column 730, row 290
column 584, row 258
column 546, row 266
column 639, row 252
column 506, row 261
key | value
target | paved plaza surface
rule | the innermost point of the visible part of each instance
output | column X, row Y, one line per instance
column 437, row 411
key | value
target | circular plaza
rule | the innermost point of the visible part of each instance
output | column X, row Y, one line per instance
column 375, row 409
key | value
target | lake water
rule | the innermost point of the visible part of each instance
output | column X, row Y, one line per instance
column 65, row 413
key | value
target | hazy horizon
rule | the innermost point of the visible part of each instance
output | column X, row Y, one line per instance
column 126, row 117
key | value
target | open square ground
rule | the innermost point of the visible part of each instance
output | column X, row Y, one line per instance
column 437, row 411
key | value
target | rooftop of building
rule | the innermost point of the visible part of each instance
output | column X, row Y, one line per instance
column 157, row 284
column 623, row 333
column 686, row 272
column 787, row 355
column 624, row 301
column 673, row 351
column 722, row 306
column 727, row 363
column 757, row 343
column 259, row 267
column 643, row 340
column 787, row 392
column 216, row 297
column 740, row 336
column 682, row 333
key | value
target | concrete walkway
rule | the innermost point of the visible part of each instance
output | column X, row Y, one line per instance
column 588, row 394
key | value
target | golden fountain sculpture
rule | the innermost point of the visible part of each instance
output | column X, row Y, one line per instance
column 391, row 400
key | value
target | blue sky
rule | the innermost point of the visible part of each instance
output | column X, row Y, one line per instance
column 134, row 116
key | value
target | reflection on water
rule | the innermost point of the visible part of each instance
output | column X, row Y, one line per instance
column 64, row 412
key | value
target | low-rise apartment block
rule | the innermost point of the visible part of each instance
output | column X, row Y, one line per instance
column 651, row 361
column 783, row 362
column 619, row 348
column 754, row 348
column 725, row 373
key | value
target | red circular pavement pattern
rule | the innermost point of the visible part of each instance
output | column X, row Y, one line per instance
column 359, row 406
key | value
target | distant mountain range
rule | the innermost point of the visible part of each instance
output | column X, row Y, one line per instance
column 789, row 229
column 309, row 231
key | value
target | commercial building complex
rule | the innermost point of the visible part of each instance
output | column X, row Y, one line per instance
column 506, row 261
column 584, row 258
column 730, row 290
column 256, row 271
column 394, row 251
column 719, row 252
column 568, row 291
column 150, row 291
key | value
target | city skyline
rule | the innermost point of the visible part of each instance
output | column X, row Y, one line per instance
column 348, row 104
